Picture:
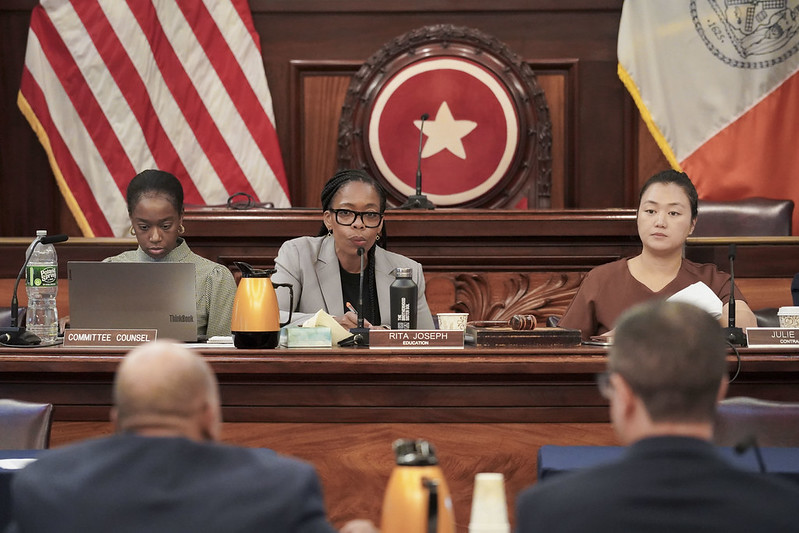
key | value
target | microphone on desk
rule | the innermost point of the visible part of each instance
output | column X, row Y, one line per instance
column 16, row 334
column 360, row 334
column 419, row 200
column 751, row 442
column 733, row 334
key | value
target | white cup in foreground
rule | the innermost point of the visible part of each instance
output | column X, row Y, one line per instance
column 789, row 317
column 489, row 507
column 452, row 320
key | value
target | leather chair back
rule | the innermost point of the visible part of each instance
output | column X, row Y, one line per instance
column 25, row 425
column 755, row 217
column 771, row 423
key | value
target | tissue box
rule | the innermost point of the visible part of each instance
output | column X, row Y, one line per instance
column 296, row 337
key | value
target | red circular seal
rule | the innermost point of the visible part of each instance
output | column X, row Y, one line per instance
column 469, row 140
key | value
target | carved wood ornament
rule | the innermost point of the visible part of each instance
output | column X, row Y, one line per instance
column 519, row 296
column 465, row 81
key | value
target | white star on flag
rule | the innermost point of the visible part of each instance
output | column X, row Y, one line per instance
column 445, row 133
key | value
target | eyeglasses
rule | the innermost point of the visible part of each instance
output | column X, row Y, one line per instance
column 604, row 385
column 347, row 217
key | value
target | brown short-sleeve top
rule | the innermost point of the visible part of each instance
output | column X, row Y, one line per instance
column 610, row 289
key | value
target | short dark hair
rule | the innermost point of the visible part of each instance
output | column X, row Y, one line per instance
column 155, row 181
column 673, row 355
column 678, row 178
column 341, row 178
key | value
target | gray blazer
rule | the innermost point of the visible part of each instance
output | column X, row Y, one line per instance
column 310, row 265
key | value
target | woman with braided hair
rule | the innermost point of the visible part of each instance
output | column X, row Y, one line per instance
column 324, row 270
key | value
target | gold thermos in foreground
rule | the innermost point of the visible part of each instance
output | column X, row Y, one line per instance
column 256, row 315
column 417, row 497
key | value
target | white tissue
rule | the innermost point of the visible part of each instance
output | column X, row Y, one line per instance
column 322, row 320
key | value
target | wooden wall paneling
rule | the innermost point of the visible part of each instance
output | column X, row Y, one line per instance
column 318, row 90
column 559, row 80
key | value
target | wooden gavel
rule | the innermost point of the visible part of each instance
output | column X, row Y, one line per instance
column 516, row 322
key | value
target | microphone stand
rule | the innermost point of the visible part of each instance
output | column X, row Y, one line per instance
column 733, row 334
column 419, row 200
column 751, row 442
column 16, row 334
column 360, row 334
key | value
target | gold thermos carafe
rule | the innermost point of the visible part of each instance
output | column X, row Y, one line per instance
column 256, row 316
column 417, row 498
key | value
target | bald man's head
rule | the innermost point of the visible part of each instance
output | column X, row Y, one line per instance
column 163, row 388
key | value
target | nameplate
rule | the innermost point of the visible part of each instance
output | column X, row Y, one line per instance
column 771, row 337
column 106, row 338
column 415, row 338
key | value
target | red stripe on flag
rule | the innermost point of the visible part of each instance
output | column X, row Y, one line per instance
column 82, row 98
column 196, row 114
column 238, row 87
column 73, row 177
column 755, row 155
column 135, row 93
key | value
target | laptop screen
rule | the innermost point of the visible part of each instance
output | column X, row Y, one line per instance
column 134, row 296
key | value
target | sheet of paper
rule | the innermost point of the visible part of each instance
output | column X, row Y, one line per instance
column 701, row 296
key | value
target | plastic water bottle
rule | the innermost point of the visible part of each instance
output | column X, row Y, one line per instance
column 403, row 294
column 41, row 283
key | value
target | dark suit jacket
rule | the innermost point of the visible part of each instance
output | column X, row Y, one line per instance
column 310, row 264
column 664, row 484
column 128, row 483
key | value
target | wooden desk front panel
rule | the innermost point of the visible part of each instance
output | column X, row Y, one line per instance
column 484, row 410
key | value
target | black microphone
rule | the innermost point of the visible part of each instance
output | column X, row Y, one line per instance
column 795, row 290
column 731, row 333
column 751, row 442
column 419, row 160
column 16, row 334
column 360, row 334
column 419, row 200
column 360, row 288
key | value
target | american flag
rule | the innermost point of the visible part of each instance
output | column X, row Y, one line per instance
column 113, row 87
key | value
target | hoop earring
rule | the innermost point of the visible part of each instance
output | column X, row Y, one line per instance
column 181, row 230
column 377, row 238
column 132, row 231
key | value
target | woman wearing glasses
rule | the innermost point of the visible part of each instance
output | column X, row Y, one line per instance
column 325, row 270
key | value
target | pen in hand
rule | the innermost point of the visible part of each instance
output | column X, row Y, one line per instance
column 352, row 309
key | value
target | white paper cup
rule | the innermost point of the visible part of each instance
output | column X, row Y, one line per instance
column 489, row 507
column 789, row 317
column 452, row 320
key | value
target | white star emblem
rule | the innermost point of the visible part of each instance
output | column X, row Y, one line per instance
column 445, row 133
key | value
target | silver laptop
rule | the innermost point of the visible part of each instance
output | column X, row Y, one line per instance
column 134, row 296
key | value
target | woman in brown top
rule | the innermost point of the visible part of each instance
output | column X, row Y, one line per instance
column 667, row 209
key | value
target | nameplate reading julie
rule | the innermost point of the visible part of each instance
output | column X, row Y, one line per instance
column 772, row 337
column 415, row 338
column 108, row 338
